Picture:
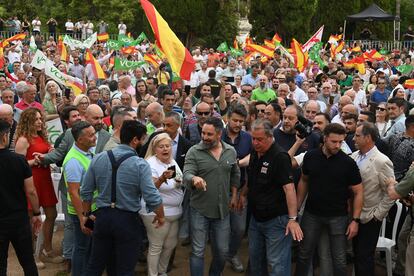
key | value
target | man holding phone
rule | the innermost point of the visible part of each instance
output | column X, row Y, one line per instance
column 75, row 165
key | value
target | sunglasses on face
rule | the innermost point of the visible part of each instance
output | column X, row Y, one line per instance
column 247, row 91
column 380, row 109
column 203, row 113
column 260, row 111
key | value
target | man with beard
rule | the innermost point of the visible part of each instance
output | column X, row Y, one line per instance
column 210, row 169
column 327, row 176
column 262, row 93
column 242, row 143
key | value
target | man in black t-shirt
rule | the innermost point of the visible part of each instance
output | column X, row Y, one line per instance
column 16, row 183
column 327, row 175
column 272, row 200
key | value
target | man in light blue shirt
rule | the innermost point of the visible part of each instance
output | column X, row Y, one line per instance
column 253, row 77
column 396, row 124
column 116, row 230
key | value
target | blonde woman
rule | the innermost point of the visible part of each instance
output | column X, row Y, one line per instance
column 163, row 240
column 52, row 98
column 81, row 102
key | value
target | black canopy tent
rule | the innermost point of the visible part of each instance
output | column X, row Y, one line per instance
column 372, row 13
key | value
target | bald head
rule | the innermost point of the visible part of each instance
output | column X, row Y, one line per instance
column 350, row 93
column 344, row 100
column 6, row 113
column 349, row 109
column 94, row 115
column 155, row 114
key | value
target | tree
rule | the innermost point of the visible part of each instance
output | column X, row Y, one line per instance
column 289, row 18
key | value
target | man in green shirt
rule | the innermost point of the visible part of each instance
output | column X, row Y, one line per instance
column 210, row 169
column 402, row 190
column 262, row 93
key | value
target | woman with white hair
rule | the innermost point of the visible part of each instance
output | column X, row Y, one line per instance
column 81, row 102
column 167, row 177
column 51, row 97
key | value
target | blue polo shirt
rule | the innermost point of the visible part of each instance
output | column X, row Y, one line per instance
column 243, row 146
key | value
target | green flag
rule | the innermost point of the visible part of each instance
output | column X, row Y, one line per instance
column 314, row 54
column 405, row 68
column 114, row 44
column 223, row 47
column 125, row 39
column 383, row 52
column 124, row 64
column 141, row 38
column 236, row 52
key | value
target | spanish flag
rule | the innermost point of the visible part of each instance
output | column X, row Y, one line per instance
column 103, row 37
column 1, row 57
column 301, row 58
column 276, row 39
column 62, row 50
column 16, row 37
column 76, row 85
column 335, row 49
column 235, row 44
column 96, row 67
column 357, row 63
column 129, row 50
column 356, row 49
column 269, row 43
column 373, row 55
column 333, row 39
column 409, row 84
column 263, row 50
column 178, row 56
column 152, row 59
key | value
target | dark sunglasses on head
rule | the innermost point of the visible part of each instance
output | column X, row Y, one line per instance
column 203, row 113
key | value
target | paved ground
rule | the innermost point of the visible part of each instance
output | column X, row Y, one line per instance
column 181, row 263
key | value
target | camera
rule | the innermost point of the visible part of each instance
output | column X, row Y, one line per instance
column 303, row 127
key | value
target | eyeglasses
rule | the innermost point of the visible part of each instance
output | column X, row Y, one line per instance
column 381, row 109
column 204, row 113
column 84, row 103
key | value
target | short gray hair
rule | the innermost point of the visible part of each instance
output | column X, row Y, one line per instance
column 175, row 115
column 266, row 125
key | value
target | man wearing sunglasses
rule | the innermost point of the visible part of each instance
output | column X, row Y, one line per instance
column 381, row 94
column 203, row 112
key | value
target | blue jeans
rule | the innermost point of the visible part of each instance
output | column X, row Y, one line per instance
column 219, row 230
column 184, row 231
column 268, row 239
column 116, row 235
column 312, row 226
column 81, row 248
column 238, row 227
column 67, row 242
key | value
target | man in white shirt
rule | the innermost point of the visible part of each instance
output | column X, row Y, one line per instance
column 122, row 28
column 36, row 25
column 198, row 58
column 89, row 28
column 203, row 73
column 297, row 94
column 69, row 27
column 360, row 100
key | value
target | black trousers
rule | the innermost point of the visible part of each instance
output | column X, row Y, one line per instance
column 116, row 235
column 364, row 245
column 20, row 235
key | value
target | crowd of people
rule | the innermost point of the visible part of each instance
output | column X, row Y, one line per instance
column 310, row 162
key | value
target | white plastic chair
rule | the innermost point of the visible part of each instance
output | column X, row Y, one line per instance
column 60, row 219
column 385, row 244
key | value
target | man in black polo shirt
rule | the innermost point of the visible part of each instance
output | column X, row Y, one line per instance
column 327, row 175
column 16, row 183
column 272, row 199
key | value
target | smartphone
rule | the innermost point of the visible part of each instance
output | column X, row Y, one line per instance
column 172, row 168
column 230, row 79
column 89, row 224
column 67, row 93
column 187, row 89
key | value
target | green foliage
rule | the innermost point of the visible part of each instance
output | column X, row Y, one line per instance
column 289, row 18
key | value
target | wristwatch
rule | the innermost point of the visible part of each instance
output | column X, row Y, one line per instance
column 295, row 218
column 357, row 220
column 35, row 214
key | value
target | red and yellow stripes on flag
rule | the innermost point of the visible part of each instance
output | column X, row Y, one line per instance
column 103, row 37
column 333, row 39
column 1, row 56
column 129, row 50
column 301, row 58
column 62, row 51
column 235, row 44
column 270, row 44
column 357, row 63
column 247, row 57
column 152, row 59
column 409, row 84
column 276, row 39
column 373, row 55
column 16, row 37
column 177, row 55
column 76, row 86
column 96, row 67
column 335, row 49
column 263, row 50
column 356, row 49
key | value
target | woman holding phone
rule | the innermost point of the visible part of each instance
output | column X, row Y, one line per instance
column 167, row 178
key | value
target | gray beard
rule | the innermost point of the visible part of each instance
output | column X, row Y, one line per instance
column 208, row 146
